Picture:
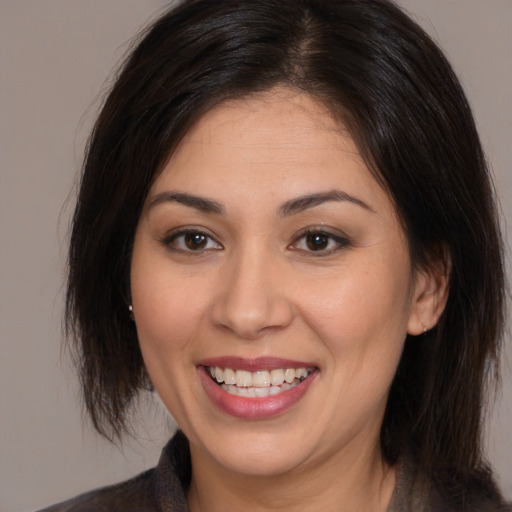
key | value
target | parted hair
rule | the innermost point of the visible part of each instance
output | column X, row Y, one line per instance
column 389, row 84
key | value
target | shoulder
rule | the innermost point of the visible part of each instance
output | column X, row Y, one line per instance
column 136, row 494
column 415, row 491
column 471, row 503
column 161, row 488
column 475, row 491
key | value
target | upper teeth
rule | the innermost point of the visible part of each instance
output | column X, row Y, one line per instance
column 259, row 379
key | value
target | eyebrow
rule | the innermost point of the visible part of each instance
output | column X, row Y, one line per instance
column 291, row 207
column 311, row 200
column 202, row 204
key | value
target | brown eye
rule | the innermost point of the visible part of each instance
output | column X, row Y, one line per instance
column 191, row 241
column 195, row 241
column 317, row 241
column 320, row 243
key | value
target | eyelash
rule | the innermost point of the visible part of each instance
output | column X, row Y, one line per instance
column 170, row 242
column 340, row 242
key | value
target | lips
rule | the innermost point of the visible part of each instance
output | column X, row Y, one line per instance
column 255, row 388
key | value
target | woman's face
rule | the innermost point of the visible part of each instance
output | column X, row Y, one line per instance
column 268, row 256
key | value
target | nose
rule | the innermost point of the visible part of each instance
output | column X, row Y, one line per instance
column 252, row 300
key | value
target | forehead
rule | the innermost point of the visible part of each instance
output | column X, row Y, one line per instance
column 265, row 140
column 297, row 113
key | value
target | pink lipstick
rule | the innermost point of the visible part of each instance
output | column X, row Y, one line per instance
column 255, row 388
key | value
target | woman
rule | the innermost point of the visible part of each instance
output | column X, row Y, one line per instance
column 286, row 227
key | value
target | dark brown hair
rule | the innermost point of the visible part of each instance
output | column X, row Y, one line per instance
column 380, row 74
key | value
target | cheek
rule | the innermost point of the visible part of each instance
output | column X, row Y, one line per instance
column 353, row 308
column 361, row 319
column 166, row 316
column 363, row 330
column 166, row 309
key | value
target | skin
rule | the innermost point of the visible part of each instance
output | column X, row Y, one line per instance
column 257, row 288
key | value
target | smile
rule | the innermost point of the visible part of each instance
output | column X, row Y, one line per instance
column 256, row 389
column 261, row 383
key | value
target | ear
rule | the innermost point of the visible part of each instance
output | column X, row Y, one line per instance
column 431, row 289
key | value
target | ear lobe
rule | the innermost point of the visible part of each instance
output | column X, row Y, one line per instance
column 431, row 289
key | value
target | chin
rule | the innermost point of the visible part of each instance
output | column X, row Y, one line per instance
column 258, row 454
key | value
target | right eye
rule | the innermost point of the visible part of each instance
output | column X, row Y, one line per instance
column 192, row 241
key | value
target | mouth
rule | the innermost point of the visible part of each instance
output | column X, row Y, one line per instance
column 260, row 383
column 256, row 389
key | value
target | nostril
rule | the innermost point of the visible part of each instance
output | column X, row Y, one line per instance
column 254, row 317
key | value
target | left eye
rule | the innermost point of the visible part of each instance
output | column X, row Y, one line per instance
column 192, row 241
column 318, row 241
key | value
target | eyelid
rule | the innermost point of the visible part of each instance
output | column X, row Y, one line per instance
column 171, row 236
column 337, row 236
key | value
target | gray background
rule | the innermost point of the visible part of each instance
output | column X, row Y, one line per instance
column 55, row 56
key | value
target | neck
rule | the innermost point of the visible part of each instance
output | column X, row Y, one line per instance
column 354, row 482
